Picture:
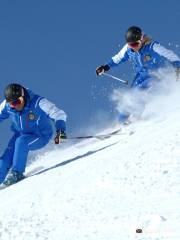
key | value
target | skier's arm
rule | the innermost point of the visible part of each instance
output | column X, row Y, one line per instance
column 168, row 54
column 3, row 111
column 120, row 57
column 54, row 113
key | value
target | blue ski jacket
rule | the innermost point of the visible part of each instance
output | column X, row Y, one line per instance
column 36, row 116
column 150, row 57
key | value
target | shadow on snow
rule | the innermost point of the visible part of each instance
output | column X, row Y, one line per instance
column 72, row 160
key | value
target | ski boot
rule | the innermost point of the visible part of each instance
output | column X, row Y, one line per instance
column 12, row 178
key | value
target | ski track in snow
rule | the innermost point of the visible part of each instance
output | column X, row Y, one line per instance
column 101, row 190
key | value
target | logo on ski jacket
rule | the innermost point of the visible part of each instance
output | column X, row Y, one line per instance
column 31, row 116
column 147, row 58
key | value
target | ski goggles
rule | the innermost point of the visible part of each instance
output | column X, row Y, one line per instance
column 15, row 103
column 134, row 44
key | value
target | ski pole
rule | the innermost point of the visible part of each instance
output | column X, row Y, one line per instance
column 116, row 132
column 116, row 78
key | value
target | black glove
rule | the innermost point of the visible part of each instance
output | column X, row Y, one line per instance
column 177, row 74
column 102, row 69
column 59, row 135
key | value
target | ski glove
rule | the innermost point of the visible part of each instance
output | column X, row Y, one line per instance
column 177, row 74
column 59, row 135
column 100, row 70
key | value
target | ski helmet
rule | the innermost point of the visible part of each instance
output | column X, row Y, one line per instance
column 13, row 91
column 133, row 34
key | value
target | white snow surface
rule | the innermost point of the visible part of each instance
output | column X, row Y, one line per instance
column 104, row 189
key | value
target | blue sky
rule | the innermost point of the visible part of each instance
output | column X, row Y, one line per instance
column 53, row 47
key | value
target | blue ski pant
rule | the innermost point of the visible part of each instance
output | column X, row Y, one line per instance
column 15, row 155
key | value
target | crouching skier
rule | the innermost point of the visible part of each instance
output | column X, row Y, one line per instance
column 146, row 56
column 30, row 115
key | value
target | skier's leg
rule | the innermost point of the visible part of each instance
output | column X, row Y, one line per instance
column 123, row 117
column 142, row 81
column 134, row 101
column 23, row 145
column 6, row 159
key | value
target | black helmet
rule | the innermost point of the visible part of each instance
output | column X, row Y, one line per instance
column 133, row 34
column 13, row 91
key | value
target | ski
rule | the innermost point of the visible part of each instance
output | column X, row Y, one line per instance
column 100, row 136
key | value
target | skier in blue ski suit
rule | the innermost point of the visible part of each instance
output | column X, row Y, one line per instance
column 31, row 117
column 146, row 56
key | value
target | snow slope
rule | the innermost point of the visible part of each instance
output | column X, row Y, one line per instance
column 102, row 190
